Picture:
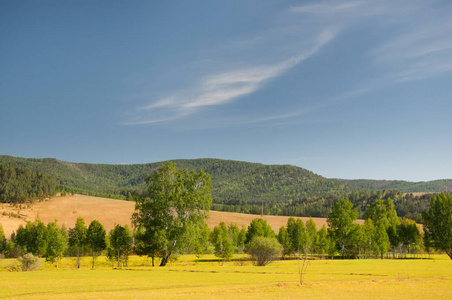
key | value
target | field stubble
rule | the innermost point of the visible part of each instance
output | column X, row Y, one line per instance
column 193, row 279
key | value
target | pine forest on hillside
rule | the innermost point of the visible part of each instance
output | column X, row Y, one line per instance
column 236, row 186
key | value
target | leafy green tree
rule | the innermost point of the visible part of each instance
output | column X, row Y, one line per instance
column 56, row 242
column 176, row 201
column 297, row 235
column 284, row 240
column 357, row 241
column 311, row 235
column 438, row 223
column 78, row 237
column 384, row 215
column 32, row 238
column 149, row 243
column 120, row 243
column 323, row 241
column 2, row 240
column 222, row 242
column 381, row 240
column 97, row 239
column 340, row 223
column 200, row 245
column 409, row 233
column 258, row 227
column 369, row 234
column 264, row 250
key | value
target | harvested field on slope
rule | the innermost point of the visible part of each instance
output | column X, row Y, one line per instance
column 111, row 211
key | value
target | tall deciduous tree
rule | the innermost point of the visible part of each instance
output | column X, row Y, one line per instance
column 97, row 239
column 78, row 237
column 311, row 235
column 340, row 223
column 259, row 227
column 2, row 240
column 284, row 240
column 120, row 243
column 384, row 216
column 222, row 242
column 438, row 223
column 56, row 242
column 176, row 201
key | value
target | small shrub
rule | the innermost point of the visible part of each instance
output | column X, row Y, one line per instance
column 29, row 262
column 14, row 266
column 264, row 250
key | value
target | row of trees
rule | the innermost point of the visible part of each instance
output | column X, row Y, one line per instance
column 54, row 241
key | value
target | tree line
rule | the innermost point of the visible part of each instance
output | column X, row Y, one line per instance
column 170, row 218
column 383, row 234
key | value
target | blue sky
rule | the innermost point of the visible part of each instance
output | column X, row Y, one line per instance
column 346, row 89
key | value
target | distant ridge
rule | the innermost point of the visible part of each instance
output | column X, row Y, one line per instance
column 242, row 187
column 232, row 181
column 434, row 186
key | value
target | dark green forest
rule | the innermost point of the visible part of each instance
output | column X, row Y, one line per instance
column 19, row 184
column 434, row 186
column 236, row 186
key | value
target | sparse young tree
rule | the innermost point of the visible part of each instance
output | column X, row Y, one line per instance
column 200, row 245
column 78, row 237
column 323, row 241
column 438, row 223
column 384, row 215
column 97, row 239
column 56, row 242
column 340, row 223
column 222, row 242
column 238, row 237
column 176, row 201
column 410, row 235
column 259, row 227
column 297, row 235
column 2, row 240
column 311, row 235
column 284, row 240
column 120, row 243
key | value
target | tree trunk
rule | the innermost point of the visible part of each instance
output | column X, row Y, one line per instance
column 78, row 258
column 118, row 258
column 165, row 259
column 93, row 260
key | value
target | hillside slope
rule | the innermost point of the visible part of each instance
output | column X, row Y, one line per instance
column 434, row 186
column 233, row 182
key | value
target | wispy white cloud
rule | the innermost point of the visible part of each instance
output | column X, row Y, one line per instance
column 222, row 88
column 415, row 47
column 424, row 50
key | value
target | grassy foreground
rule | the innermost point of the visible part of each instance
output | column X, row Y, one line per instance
column 191, row 279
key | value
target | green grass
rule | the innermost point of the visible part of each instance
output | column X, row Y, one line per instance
column 189, row 278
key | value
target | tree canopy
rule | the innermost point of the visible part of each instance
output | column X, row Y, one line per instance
column 438, row 223
column 176, row 201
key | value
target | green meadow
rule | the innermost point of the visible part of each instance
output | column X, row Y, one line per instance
column 189, row 278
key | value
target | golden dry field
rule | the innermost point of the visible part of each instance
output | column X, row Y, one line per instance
column 189, row 278
column 110, row 211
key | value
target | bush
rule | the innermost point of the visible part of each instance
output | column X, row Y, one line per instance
column 264, row 250
column 29, row 262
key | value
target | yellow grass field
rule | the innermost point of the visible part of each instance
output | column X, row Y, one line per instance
column 110, row 211
column 188, row 278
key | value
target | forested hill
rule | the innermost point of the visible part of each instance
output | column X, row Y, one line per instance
column 233, row 182
column 236, row 186
column 435, row 186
